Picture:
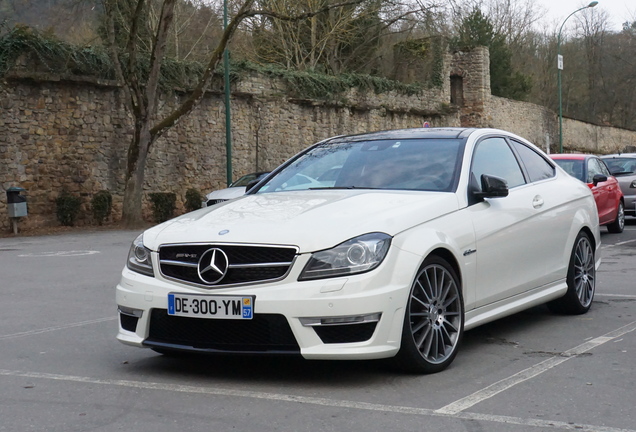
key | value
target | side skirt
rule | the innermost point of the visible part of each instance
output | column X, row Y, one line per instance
column 512, row 305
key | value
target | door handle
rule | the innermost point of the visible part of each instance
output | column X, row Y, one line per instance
column 537, row 202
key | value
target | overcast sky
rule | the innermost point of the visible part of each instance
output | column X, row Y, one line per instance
column 618, row 11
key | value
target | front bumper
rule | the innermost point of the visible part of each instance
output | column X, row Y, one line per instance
column 311, row 311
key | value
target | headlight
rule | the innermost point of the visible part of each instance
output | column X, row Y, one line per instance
column 139, row 257
column 357, row 255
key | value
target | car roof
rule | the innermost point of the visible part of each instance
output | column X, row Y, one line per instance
column 619, row 155
column 450, row 132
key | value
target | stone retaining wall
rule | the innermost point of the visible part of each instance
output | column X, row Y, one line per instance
column 541, row 126
column 73, row 135
column 57, row 135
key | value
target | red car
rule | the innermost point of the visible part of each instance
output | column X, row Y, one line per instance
column 607, row 192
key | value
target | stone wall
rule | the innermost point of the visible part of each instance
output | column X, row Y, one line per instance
column 57, row 135
column 537, row 124
column 589, row 138
column 541, row 126
column 73, row 135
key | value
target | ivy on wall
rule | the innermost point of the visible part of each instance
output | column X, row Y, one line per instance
column 26, row 48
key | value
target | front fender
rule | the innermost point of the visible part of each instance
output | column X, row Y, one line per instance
column 451, row 237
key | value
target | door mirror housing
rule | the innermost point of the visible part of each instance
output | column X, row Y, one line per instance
column 492, row 187
column 598, row 178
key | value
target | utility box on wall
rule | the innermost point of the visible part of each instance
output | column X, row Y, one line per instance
column 16, row 202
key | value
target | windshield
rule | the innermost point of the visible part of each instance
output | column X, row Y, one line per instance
column 246, row 179
column 618, row 165
column 574, row 167
column 410, row 164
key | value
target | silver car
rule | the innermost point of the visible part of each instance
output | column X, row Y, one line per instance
column 623, row 167
column 235, row 190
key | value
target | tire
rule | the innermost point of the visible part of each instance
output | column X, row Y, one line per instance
column 581, row 279
column 618, row 225
column 433, row 319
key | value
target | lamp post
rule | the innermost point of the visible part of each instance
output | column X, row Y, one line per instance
column 560, row 68
column 228, row 113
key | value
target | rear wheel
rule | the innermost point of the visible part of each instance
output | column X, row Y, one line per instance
column 618, row 225
column 581, row 279
column 434, row 319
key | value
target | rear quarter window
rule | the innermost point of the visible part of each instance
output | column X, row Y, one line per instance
column 537, row 167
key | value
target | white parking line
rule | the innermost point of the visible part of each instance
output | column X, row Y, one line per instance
column 335, row 403
column 615, row 295
column 532, row 371
column 59, row 254
column 50, row 329
column 604, row 246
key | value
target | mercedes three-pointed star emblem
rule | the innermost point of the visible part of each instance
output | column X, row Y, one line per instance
column 213, row 266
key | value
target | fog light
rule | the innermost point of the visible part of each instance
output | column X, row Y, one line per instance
column 130, row 311
column 344, row 320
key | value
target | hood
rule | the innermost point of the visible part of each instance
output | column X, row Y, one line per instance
column 309, row 220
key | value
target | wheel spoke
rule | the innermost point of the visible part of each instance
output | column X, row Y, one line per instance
column 451, row 301
column 419, row 284
column 425, row 305
column 419, row 327
column 451, row 326
column 434, row 351
column 426, row 341
column 446, row 336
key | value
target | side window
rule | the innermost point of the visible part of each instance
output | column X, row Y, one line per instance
column 537, row 166
column 494, row 157
column 604, row 169
column 593, row 168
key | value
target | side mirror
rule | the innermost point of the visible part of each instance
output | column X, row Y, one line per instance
column 598, row 178
column 492, row 187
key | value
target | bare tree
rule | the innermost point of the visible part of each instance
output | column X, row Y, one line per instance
column 141, row 89
column 340, row 40
column 594, row 29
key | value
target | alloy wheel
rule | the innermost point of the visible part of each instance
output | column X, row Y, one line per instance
column 435, row 313
column 584, row 271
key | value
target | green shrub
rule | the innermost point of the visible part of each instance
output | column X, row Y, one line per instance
column 67, row 208
column 102, row 205
column 193, row 199
column 163, row 205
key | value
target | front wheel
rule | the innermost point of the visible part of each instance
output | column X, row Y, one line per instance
column 433, row 320
column 581, row 279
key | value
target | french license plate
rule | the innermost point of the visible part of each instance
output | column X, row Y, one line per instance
column 211, row 306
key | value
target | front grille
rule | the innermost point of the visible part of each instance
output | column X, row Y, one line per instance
column 246, row 264
column 346, row 333
column 214, row 201
column 265, row 333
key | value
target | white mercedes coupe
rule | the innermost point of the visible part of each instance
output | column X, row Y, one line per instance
column 381, row 245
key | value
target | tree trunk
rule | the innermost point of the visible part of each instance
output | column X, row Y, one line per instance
column 135, row 176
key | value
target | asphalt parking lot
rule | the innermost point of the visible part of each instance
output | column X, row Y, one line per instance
column 61, row 368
